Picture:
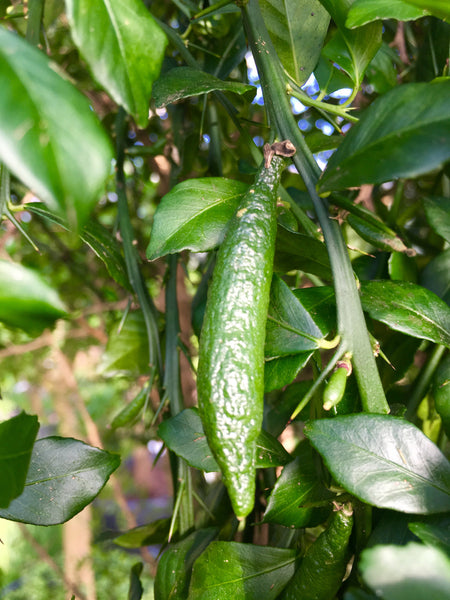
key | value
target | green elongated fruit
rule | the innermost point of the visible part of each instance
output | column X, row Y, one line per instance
column 335, row 388
column 230, row 374
column 323, row 567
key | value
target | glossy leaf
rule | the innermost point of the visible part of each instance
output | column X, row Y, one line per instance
column 302, row 252
column 97, row 237
column 17, row 437
column 241, row 571
column 434, row 532
column 127, row 348
column 194, row 215
column 184, row 435
column 378, row 236
column 26, row 300
column 297, row 30
column 145, row 535
column 287, row 321
column 408, row 308
column 123, row 46
column 365, row 11
column 438, row 8
column 351, row 49
column 390, row 142
column 64, row 476
column 49, row 136
column 184, row 82
column 174, row 567
column 384, row 461
column 411, row 572
column 299, row 487
column 437, row 211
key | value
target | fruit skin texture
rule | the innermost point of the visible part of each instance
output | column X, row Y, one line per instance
column 323, row 566
column 230, row 376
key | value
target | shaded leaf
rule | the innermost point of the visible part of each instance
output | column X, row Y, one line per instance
column 441, row 392
column 435, row 276
column 408, row 308
column 17, row 436
column 26, row 300
column 437, row 211
column 297, row 30
column 64, row 476
column 434, row 532
column 50, row 138
column 281, row 371
column 194, row 215
column 411, row 572
column 184, row 435
column 123, row 46
column 174, row 568
column 184, row 82
column 364, row 11
column 384, row 461
column 390, row 142
column 149, row 534
column 135, row 589
column 302, row 252
column 241, row 571
column 127, row 348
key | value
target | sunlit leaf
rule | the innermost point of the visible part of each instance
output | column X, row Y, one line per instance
column 365, row 11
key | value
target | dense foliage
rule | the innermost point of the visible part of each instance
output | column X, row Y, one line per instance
column 132, row 175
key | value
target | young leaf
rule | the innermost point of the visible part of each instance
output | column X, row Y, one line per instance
column 123, row 46
column 194, row 215
column 390, row 142
column 232, row 570
column 185, row 436
column 26, row 300
column 184, row 82
column 384, row 461
column 56, row 490
column 297, row 30
column 17, row 437
column 409, row 308
column 411, row 572
column 365, row 11
column 50, row 138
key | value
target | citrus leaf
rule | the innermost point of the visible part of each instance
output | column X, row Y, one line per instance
column 302, row 252
column 365, row 11
column 64, row 476
column 123, row 46
column 127, row 348
column 17, row 437
column 384, row 461
column 390, row 142
column 297, row 30
column 409, row 308
column 411, row 572
column 437, row 211
column 241, row 571
column 150, row 534
column 438, row 8
column 26, row 300
column 49, row 136
column 434, row 532
column 281, row 371
column 184, row 82
column 194, row 215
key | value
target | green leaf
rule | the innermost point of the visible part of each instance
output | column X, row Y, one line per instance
column 174, row 567
column 50, row 138
column 184, row 82
column 194, row 215
column 435, row 276
column 384, row 461
column 17, row 437
column 438, row 8
column 404, row 133
column 281, row 371
column 381, row 73
column 26, row 300
column 123, row 46
column 97, row 237
column 287, row 321
column 409, row 308
column 241, row 571
column 434, row 532
column 379, row 236
column 437, row 211
column 411, row 572
column 351, row 49
column 135, row 589
column 127, row 348
column 402, row 267
column 441, row 392
column 64, row 476
column 297, row 489
column 149, row 534
column 297, row 30
column 365, row 11
column 302, row 252
column 184, row 435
